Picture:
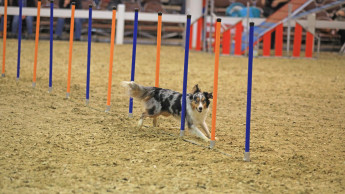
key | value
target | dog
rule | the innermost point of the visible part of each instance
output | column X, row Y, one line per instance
column 165, row 102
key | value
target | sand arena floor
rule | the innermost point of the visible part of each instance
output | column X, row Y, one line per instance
column 51, row 144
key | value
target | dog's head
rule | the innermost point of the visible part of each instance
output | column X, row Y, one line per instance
column 200, row 100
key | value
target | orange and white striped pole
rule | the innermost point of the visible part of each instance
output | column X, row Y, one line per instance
column 112, row 39
column 4, row 39
column 215, row 84
column 70, row 51
column 159, row 33
column 36, row 42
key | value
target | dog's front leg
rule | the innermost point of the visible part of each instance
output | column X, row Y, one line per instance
column 206, row 130
column 194, row 130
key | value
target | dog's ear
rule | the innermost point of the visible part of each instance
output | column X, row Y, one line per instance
column 209, row 95
column 196, row 89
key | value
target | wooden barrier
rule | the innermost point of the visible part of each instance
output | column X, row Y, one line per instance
column 309, row 45
column 279, row 41
column 238, row 38
column 297, row 41
column 191, row 37
column 199, row 34
column 226, row 42
column 267, row 44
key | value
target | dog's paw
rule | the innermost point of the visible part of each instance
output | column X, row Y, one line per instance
column 140, row 124
column 216, row 139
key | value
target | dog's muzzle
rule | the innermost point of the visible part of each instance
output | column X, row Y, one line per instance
column 199, row 109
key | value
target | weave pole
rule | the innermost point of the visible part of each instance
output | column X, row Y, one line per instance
column 36, row 41
column 130, row 114
column 185, row 76
column 51, row 46
column 249, row 91
column 70, row 51
column 88, row 56
column 19, row 37
column 4, row 40
column 215, row 85
column 159, row 33
column 111, row 58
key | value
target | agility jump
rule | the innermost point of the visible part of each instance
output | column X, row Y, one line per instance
column 235, row 38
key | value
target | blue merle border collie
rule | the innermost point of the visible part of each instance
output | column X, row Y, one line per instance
column 165, row 102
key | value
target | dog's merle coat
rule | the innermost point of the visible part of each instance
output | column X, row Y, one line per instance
column 159, row 101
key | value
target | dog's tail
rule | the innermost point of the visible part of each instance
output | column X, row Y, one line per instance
column 137, row 91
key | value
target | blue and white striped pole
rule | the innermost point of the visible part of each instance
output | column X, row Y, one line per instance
column 185, row 76
column 130, row 114
column 88, row 56
column 249, row 91
column 19, row 37
column 51, row 46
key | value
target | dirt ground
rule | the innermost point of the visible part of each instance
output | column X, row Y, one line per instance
column 52, row 144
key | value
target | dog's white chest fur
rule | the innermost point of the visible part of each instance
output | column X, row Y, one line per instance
column 198, row 117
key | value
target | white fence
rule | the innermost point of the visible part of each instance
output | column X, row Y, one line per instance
column 122, row 16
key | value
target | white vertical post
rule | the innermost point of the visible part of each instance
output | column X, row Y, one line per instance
column 195, row 33
column 210, row 34
column 194, row 8
column 247, row 28
column 318, row 46
column 288, row 31
column 311, row 18
column 205, row 27
column 120, row 24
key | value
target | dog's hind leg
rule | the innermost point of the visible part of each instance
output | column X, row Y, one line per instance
column 141, row 120
column 155, row 122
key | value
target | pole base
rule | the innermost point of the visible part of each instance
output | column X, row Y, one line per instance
column 181, row 133
column 130, row 115
column 33, row 84
column 87, row 102
column 212, row 144
column 17, row 79
column 67, row 95
column 3, row 75
column 107, row 108
column 50, row 89
column 246, row 157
